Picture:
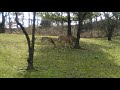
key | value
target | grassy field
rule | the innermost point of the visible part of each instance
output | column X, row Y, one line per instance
column 99, row 59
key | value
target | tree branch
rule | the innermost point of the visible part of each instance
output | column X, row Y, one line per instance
column 23, row 29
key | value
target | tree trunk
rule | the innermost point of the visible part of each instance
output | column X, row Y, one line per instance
column 69, row 25
column 3, row 24
column 62, row 22
column 110, row 31
column 17, row 27
column 110, row 25
column 37, row 21
column 31, row 52
column 101, row 18
column 91, row 22
column 30, row 58
column 96, row 18
column 77, row 44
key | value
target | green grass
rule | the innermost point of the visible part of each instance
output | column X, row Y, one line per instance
column 100, row 59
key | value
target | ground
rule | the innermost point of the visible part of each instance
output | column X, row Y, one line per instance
column 99, row 58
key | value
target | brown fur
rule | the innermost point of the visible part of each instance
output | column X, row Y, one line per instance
column 67, row 40
column 48, row 39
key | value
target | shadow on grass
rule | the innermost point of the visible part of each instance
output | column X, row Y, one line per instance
column 92, row 62
column 27, row 74
column 24, row 73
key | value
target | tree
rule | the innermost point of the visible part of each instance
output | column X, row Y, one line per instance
column 31, row 51
column 81, row 17
column 69, row 33
column 56, row 17
column 2, row 25
column 30, row 43
column 110, row 24
column 117, row 16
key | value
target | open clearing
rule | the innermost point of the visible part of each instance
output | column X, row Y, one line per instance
column 99, row 59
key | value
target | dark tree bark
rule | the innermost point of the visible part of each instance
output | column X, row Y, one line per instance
column 31, row 51
column 30, row 46
column 110, row 35
column 77, row 44
column 69, row 33
column 96, row 18
column 81, row 17
column 110, row 31
column 3, row 24
column 37, row 21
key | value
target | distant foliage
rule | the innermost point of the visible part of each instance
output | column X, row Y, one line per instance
column 45, row 23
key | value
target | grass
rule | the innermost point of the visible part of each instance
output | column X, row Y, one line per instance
column 100, row 59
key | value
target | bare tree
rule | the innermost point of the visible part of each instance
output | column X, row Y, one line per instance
column 31, row 51
column 30, row 43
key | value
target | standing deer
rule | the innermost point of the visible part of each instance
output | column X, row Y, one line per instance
column 67, row 40
column 48, row 39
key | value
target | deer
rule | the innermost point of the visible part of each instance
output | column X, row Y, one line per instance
column 70, row 40
column 48, row 39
